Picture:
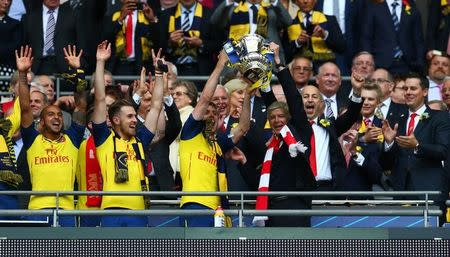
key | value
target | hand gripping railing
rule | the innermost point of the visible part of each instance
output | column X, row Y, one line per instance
column 241, row 212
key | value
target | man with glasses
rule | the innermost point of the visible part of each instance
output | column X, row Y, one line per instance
column 363, row 64
column 387, row 109
column 301, row 69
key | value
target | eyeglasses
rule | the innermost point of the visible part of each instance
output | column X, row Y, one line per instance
column 179, row 93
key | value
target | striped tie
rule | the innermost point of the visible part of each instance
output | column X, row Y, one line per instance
column 49, row 48
column 185, row 27
column 397, row 51
column 329, row 112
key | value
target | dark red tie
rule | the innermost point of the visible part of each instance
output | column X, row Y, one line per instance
column 411, row 123
column 129, row 35
column 312, row 155
column 367, row 122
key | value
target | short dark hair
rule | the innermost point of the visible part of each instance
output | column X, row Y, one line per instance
column 44, row 110
column 114, row 92
column 115, row 108
column 424, row 84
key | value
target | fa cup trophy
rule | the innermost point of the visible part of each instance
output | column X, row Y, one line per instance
column 252, row 56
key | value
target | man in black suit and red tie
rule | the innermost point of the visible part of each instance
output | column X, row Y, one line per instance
column 319, row 133
column 417, row 145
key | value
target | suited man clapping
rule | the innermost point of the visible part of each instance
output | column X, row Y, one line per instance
column 48, row 30
column 417, row 145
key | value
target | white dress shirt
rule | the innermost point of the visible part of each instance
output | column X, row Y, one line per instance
column 328, row 10
column 333, row 104
column 434, row 91
column 322, row 140
column 398, row 9
column 384, row 106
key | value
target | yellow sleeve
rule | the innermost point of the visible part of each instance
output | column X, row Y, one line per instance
column 15, row 118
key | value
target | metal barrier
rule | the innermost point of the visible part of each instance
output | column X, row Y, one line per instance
column 59, row 93
column 241, row 211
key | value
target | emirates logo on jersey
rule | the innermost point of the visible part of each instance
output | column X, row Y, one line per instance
column 204, row 157
column 51, row 158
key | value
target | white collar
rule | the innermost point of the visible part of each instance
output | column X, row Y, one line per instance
column 419, row 111
column 387, row 102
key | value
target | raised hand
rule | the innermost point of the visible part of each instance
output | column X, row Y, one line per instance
column 357, row 82
column 103, row 51
column 24, row 58
column 276, row 52
column 157, row 58
column 388, row 132
column 223, row 58
column 72, row 59
column 142, row 87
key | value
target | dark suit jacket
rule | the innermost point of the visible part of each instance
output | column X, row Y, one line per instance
column 348, row 20
column 92, row 14
column 112, row 28
column 438, row 28
column 278, row 19
column 335, row 40
column 68, row 31
column 379, row 37
column 207, row 34
column 423, row 170
column 395, row 112
column 361, row 178
column 11, row 39
column 335, row 129
column 159, row 152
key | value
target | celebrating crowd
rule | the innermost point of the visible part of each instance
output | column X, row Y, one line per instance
column 387, row 127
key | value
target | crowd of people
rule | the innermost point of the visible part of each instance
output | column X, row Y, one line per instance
column 387, row 127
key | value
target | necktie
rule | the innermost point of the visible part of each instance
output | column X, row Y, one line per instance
column 411, row 123
column 307, row 20
column 129, row 34
column 329, row 112
column 185, row 27
column 379, row 112
column 312, row 155
column 186, row 24
column 254, row 13
column 397, row 51
column 367, row 122
column 49, row 48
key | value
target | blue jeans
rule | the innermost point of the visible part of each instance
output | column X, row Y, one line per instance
column 196, row 221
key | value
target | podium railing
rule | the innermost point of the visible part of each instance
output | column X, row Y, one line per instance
column 239, row 205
